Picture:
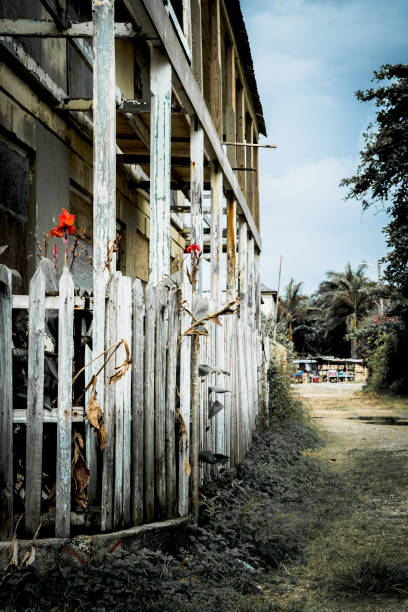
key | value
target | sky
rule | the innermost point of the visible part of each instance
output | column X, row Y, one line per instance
column 310, row 56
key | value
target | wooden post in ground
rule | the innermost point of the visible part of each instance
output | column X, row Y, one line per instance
column 6, row 406
column 229, row 326
column 104, row 177
column 160, row 128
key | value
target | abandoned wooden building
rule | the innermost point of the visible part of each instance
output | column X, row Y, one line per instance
column 142, row 119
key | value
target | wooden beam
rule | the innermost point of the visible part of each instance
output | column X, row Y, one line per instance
column 249, row 163
column 160, row 132
column 231, row 122
column 41, row 28
column 57, row 12
column 231, row 249
column 196, row 183
column 240, row 123
column 186, row 5
column 216, row 92
column 145, row 160
column 153, row 17
column 243, row 270
column 124, row 106
column 240, row 68
column 197, row 41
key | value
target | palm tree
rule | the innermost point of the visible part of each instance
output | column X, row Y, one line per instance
column 294, row 310
column 346, row 296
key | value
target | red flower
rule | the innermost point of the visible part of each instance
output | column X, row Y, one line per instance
column 65, row 226
column 193, row 248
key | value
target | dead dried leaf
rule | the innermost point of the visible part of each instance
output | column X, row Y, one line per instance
column 94, row 411
column 80, row 473
column 187, row 468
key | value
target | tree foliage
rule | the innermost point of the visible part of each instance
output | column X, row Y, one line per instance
column 382, row 176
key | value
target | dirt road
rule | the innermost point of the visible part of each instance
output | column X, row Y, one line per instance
column 356, row 559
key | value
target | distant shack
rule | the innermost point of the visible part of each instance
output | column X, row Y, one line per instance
column 322, row 364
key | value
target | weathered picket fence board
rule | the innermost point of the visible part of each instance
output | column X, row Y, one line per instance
column 150, row 322
column 145, row 466
column 108, row 461
column 138, row 353
column 6, row 406
column 171, row 382
column 35, row 401
column 185, row 398
column 64, row 427
column 160, row 401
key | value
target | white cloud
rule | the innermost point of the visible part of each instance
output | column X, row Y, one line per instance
column 305, row 218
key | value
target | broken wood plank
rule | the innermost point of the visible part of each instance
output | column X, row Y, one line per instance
column 35, row 401
column 6, row 406
column 64, row 427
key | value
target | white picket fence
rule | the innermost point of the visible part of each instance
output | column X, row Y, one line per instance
column 142, row 474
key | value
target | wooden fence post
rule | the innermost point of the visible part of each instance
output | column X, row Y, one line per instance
column 6, row 406
column 104, row 168
column 137, row 402
column 35, row 401
column 64, row 427
column 216, row 251
column 160, row 129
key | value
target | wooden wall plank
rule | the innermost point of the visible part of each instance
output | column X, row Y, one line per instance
column 137, row 402
column 6, row 406
column 149, row 408
column 160, row 401
column 160, row 133
column 35, row 401
column 64, row 425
